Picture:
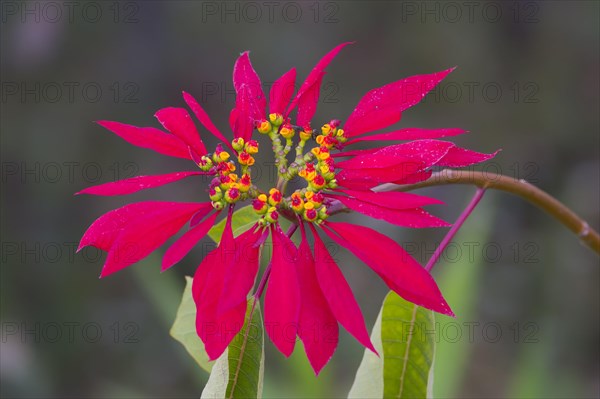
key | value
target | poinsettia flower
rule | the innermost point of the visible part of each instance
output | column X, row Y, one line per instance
column 306, row 294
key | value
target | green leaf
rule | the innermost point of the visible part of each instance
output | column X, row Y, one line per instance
column 239, row 372
column 368, row 382
column 242, row 220
column 184, row 328
column 408, row 338
column 404, row 337
column 216, row 387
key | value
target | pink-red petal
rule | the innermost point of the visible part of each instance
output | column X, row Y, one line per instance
column 179, row 122
column 240, row 121
column 315, row 75
column 103, row 232
column 149, row 137
column 138, row 238
column 364, row 179
column 204, row 118
column 458, row 157
column 410, row 133
column 414, row 178
column 428, row 152
column 317, row 326
column 248, row 86
column 353, row 153
column 307, row 103
column 186, row 242
column 134, row 184
column 282, row 299
column 241, row 273
column 416, row 218
column 382, row 107
column 282, row 92
column 339, row 295
column 216, row 330
column 392, row 199
column 391, row 262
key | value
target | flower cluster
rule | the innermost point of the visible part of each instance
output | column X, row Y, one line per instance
column 306, row 289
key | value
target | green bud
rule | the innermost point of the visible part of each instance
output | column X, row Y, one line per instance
column 218, row 205
column 238, row 144
column 272, row 215
column 276, row 119
column 323, row 213
column 205, row 163
column 215, row 194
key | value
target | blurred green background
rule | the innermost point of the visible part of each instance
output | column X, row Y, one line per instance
column 525, row 291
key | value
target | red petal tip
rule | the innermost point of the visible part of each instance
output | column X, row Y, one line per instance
column 446, row 310
column 372, row 348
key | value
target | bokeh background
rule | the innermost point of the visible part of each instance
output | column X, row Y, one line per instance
column 525, row 291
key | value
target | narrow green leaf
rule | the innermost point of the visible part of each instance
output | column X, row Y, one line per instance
column 239, row 372
column 242, row 220
column 184, row 328
column 246, row 357
column 403, row 336
column 408, row 338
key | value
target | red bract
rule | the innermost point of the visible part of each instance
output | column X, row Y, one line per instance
column 309, row 91
column 282, row 92
column 307, row 294
column 282, row 299
column 383, row 106
column 317, row 324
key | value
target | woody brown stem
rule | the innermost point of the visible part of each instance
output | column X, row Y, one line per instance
column 522, row 188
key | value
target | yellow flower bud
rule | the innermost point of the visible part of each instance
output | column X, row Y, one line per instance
column 251, row 147
column 287, row 132
column 264, row 127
